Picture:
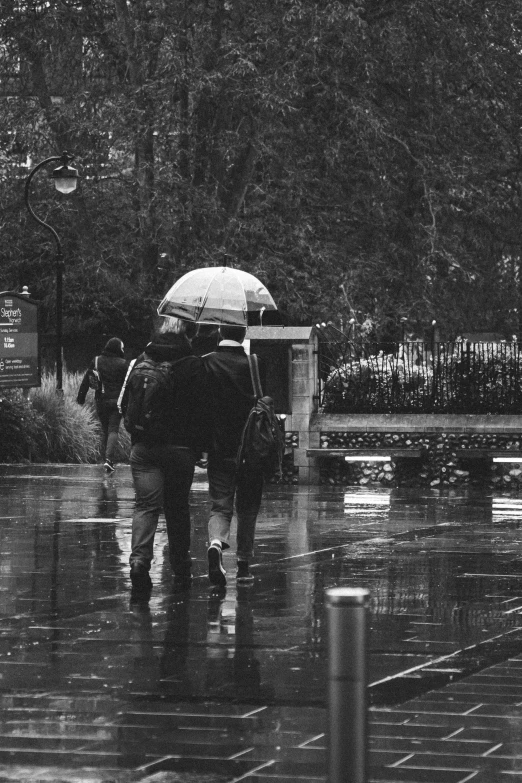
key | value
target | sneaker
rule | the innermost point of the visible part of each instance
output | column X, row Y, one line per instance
column 139, row 575
column 216, row 572
column 109, row 466
column 243, row 572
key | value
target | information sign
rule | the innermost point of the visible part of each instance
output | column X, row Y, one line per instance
column 19, row 343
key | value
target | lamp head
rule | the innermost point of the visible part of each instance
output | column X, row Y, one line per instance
column 65, row 177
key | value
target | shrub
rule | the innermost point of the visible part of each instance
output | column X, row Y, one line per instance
column 47, row 427
column 381, row 383
column 20, row 424
column 71, row 384
column 458, row 378
column 68, row 432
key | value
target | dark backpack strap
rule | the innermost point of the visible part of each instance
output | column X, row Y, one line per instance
column 254, row 374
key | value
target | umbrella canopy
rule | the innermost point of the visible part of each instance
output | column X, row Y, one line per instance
column 220, row 295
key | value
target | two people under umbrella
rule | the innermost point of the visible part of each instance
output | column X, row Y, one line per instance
column 210, row 399
column 207, row 406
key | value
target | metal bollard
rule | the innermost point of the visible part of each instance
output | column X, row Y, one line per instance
column 347, row 684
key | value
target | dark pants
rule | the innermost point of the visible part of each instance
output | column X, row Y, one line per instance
column 225, row 487
column 162, row 476
column 110, row 418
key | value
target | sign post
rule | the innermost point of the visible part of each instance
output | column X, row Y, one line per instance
column 19, row 341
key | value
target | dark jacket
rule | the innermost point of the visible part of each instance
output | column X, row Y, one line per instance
column 187, row 420
column 112, row 369
column 232, row 397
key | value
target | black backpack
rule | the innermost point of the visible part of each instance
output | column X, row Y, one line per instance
column 262, row 441
column 149, row 397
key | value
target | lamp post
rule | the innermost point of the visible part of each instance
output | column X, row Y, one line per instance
column 404, row 321
column 65, row 180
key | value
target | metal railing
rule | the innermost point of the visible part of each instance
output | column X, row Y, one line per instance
column 419, row 377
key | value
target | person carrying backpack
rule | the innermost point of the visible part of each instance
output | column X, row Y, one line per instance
column 232, row 397
column 166, row 410
column 105, row 375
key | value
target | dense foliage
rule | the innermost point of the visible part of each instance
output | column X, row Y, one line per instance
column 68, row 432
column 19, row 424
column 362, row 158
column 454, row 377
column 47, row 427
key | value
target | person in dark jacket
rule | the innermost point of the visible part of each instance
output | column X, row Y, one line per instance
column 232, row 395
column 112, row 368
column 163, row 467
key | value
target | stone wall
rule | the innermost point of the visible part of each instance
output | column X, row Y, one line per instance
column 438, row 466
column 438, row 436
column 290, row 469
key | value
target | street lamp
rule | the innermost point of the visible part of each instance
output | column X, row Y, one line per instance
column 65, row 180
column 404, row 321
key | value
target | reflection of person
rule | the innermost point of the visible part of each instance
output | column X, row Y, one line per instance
column 107, row 500
column 232, row 396
column 247, row 671
column 112, row 368
column 174, row 655
column 230, row 622
column 163, row 468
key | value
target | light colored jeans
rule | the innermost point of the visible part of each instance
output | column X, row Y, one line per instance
column 224, row 488
column 162, row 476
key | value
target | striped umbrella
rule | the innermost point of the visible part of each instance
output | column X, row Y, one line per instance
column 220, row 295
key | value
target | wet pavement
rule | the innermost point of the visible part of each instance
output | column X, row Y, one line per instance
column 193, row 685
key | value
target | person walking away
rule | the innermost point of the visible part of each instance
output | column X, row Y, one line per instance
column 232, row 397
column 164, row 454
column 111, row 368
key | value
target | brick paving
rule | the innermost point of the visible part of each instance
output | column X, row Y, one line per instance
column 470, row 730
column 194, row 687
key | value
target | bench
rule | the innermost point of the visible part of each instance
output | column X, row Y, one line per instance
column 505, row 455
column 367, row 455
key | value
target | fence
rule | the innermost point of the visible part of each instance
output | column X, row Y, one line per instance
column 419, row 377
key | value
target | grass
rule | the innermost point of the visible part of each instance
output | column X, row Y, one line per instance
column 65, row 431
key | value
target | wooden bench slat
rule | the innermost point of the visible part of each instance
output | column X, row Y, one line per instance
column 472, row 454
column 487, row 453
column 406, row 453
column 393, row 452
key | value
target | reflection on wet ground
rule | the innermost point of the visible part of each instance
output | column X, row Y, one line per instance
column 220, row 684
